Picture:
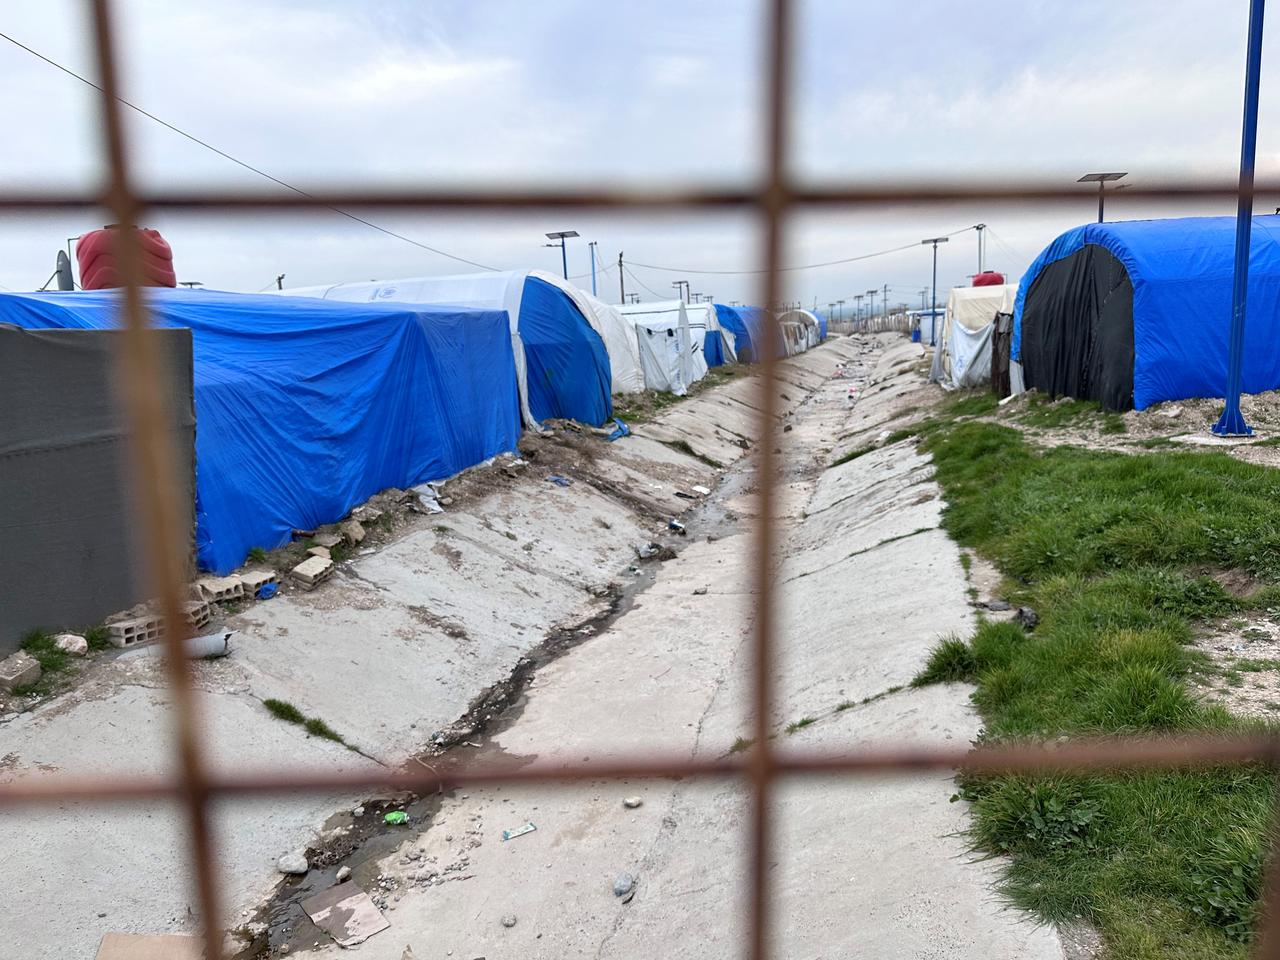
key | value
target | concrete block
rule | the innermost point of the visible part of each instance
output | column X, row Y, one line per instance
column 353, row 531
column 135, row 631
column 220, row 589
column 255, row 580
column 198, row 614
column 19, row 670
column 312, row 571
column 71, row 643
column 327, row 540
column 320, row 552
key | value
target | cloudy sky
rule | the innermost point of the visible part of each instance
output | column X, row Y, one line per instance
column 447, row 92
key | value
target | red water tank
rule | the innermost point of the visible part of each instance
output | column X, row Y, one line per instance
column 988, row 279
column 96, row 256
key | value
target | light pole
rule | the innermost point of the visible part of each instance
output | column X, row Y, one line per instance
column 933, row 312
column 682, row 289
column 1101, row 179
column 840, row 304
column 857, row 306
column 562, row 235
column 592, row 247
column 981, row 252
column 871, row 309
column 1231, row 423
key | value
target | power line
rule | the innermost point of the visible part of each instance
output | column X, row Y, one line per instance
column 247, row 166
column 807, row 266
column 627, row 268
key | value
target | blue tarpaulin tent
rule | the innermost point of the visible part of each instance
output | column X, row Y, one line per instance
column 822, row 325
column 561, row 359
column 1136, row 313
column 306, row 408
column 750, row 327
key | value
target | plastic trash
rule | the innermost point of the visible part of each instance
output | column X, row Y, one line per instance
column 396, row 817
column 676, row 526
column 518, row 831
column 705, row 491
column 267, row 591
column 622, row 431
column 560, row 481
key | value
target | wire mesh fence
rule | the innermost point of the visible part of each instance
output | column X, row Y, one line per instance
column 192, row 784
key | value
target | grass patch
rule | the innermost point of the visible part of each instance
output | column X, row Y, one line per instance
column 1107, row 548
column 797, row 725
column 40, row 645
column 98, row 638
column 742, row 744
column 683, row 447
column 283, row 710
column 258, row 555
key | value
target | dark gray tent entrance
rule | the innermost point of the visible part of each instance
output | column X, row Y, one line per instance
column 1077, row 329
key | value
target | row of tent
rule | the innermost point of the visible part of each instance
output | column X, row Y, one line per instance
column 1128, row 314
column 310, row 401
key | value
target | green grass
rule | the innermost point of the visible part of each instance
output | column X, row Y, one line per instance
column 283, row 710
column 797, row 725
column 742, row 744
column 98, row 638
column 258, row 555
column 40, row 645
column 1108, row 548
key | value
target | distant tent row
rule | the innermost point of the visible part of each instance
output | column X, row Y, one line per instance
column 311, row 401
column 306, row 408
column 1135, row 313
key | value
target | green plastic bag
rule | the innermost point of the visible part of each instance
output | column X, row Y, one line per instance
column 396, row 816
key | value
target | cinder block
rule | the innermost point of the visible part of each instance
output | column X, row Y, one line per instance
column 312, row 571
column 136, row 631
column 221, row 589
column 327, row 540
column 353, row 531
column 320, row 552
column 198, row 614
column 255, row 580
column 19, row 669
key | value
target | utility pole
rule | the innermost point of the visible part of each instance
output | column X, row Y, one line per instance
column 840, row 304
column 280, row 282
column 857, row 306
column 885, row 300
column 981, row 251
column 682, row 289
column 871, row 310
column 923, row 293
column 622, row 283
column 592, row 247
column 933, row 314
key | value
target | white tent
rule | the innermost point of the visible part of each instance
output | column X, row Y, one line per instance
column 502, row 290
column 670, row 345
column 620, row 341
column 812, row 332
column 962, row 357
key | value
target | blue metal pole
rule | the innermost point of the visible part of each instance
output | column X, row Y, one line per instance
column 1232, row 421
column 933, row 313
column 564, row 259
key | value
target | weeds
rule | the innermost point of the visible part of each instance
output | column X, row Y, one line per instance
column 797, row 725
column 258, row 555
column 98, row 638
column 742, row 744
column 1109, row 549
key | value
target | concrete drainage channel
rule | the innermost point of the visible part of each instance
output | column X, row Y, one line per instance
column 360, row 838
column 468, row 614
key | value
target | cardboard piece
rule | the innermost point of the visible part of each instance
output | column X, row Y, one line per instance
column 131, row 946
column 346, row 913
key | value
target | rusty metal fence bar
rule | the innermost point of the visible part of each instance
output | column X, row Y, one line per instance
column 194, row 786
